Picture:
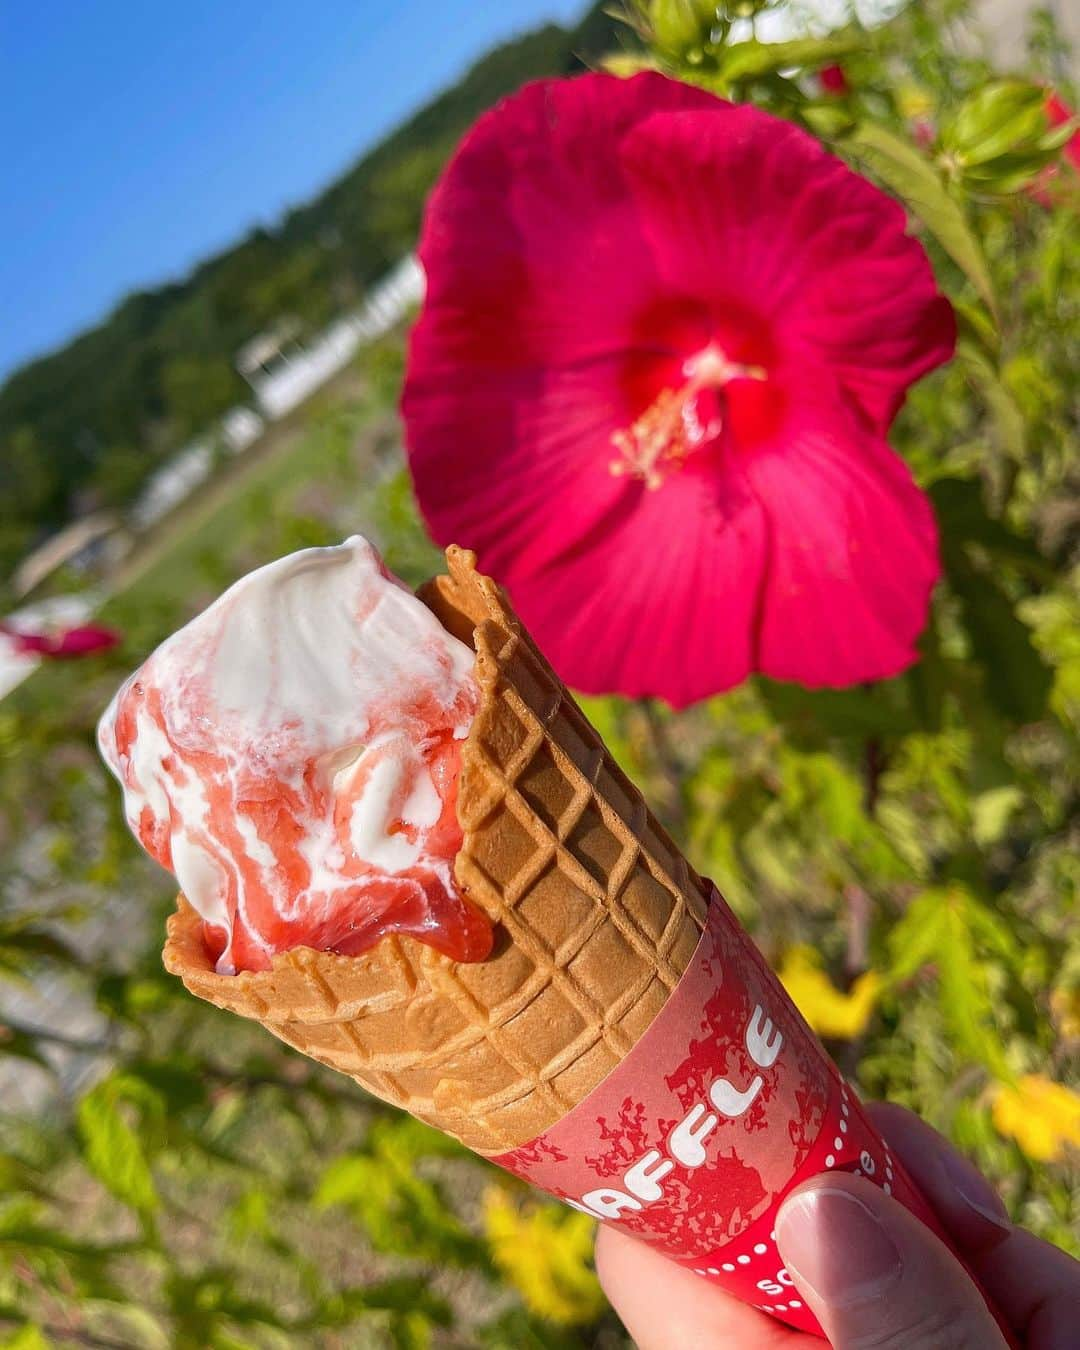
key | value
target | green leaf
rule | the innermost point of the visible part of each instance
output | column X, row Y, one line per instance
column 113, row 1151
column 939, row 929
column 399, row 1210
column 515, row 1329
column 748, row 60
column 22, row 938
column 22, row 1046
column 991, row 812
column 1014, row 674
column 810, row 714
column 919, row 186
column 411, row 1331
column 175, row 1086
column 407, row 1294
column 963, row 518
column 927, row 680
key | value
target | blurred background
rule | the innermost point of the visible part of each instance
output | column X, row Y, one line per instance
column 207, row 279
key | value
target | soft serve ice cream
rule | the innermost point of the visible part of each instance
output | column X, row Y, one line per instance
column 292, row 757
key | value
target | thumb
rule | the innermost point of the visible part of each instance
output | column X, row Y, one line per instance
column 874, row 1275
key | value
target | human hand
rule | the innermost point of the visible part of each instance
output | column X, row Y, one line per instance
column 872, row 1273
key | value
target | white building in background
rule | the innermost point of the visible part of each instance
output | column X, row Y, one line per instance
column 283, row 371
column 240, row 427
column 170, row 484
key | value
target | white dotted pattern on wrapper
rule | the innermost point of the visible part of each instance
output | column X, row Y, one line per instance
column 778, row 1284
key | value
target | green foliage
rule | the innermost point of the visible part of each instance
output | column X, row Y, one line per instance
column 113, row 1146
column 908, row 174
column 999, row 139
column 399, row 1209
column 185, row 1180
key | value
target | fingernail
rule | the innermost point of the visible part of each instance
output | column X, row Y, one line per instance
column 974, row 1190
column 836, row 1245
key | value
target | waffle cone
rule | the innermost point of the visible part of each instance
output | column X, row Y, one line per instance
column 597, row 915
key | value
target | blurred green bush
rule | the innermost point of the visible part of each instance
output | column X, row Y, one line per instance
column 906, row 854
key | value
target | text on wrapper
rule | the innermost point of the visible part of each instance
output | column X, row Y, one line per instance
column 685, row 1144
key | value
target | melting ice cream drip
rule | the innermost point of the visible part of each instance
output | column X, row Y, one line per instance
column 292, row 756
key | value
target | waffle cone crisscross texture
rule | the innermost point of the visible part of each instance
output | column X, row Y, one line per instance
column 597, row 916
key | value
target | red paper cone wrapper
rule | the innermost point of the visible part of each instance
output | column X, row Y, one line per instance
column 725, row 1104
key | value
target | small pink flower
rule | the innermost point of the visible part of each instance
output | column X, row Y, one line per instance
column 663, row 341
column 63, row 645
column 833, row 80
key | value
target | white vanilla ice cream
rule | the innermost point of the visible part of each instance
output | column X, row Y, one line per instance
column 292, row 756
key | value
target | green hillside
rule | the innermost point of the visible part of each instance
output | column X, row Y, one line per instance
column 87, row 424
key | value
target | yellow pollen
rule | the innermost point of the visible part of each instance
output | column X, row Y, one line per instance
column 670, row 429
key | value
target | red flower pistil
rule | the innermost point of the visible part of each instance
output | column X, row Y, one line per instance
column 682, row 420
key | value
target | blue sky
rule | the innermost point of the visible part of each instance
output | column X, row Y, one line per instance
column 145, row 136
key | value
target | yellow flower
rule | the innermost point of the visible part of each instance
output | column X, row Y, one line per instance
column 1042, row 1116
column 545, row 1251
column 829, row 1011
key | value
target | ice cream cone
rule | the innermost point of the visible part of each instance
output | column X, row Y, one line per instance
column 597, row 914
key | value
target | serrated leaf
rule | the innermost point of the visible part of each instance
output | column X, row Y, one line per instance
column 909, row 175
column 113, row 1151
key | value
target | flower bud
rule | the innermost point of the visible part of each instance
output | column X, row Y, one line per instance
column 1001, row 137
column 680, row 27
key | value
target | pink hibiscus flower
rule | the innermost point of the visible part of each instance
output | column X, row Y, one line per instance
column 63, row 645
column 663, row 340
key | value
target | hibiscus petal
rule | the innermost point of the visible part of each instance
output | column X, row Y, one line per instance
column 666, row 605
column 852, row 553
column 516, row 467
column 742, row 207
